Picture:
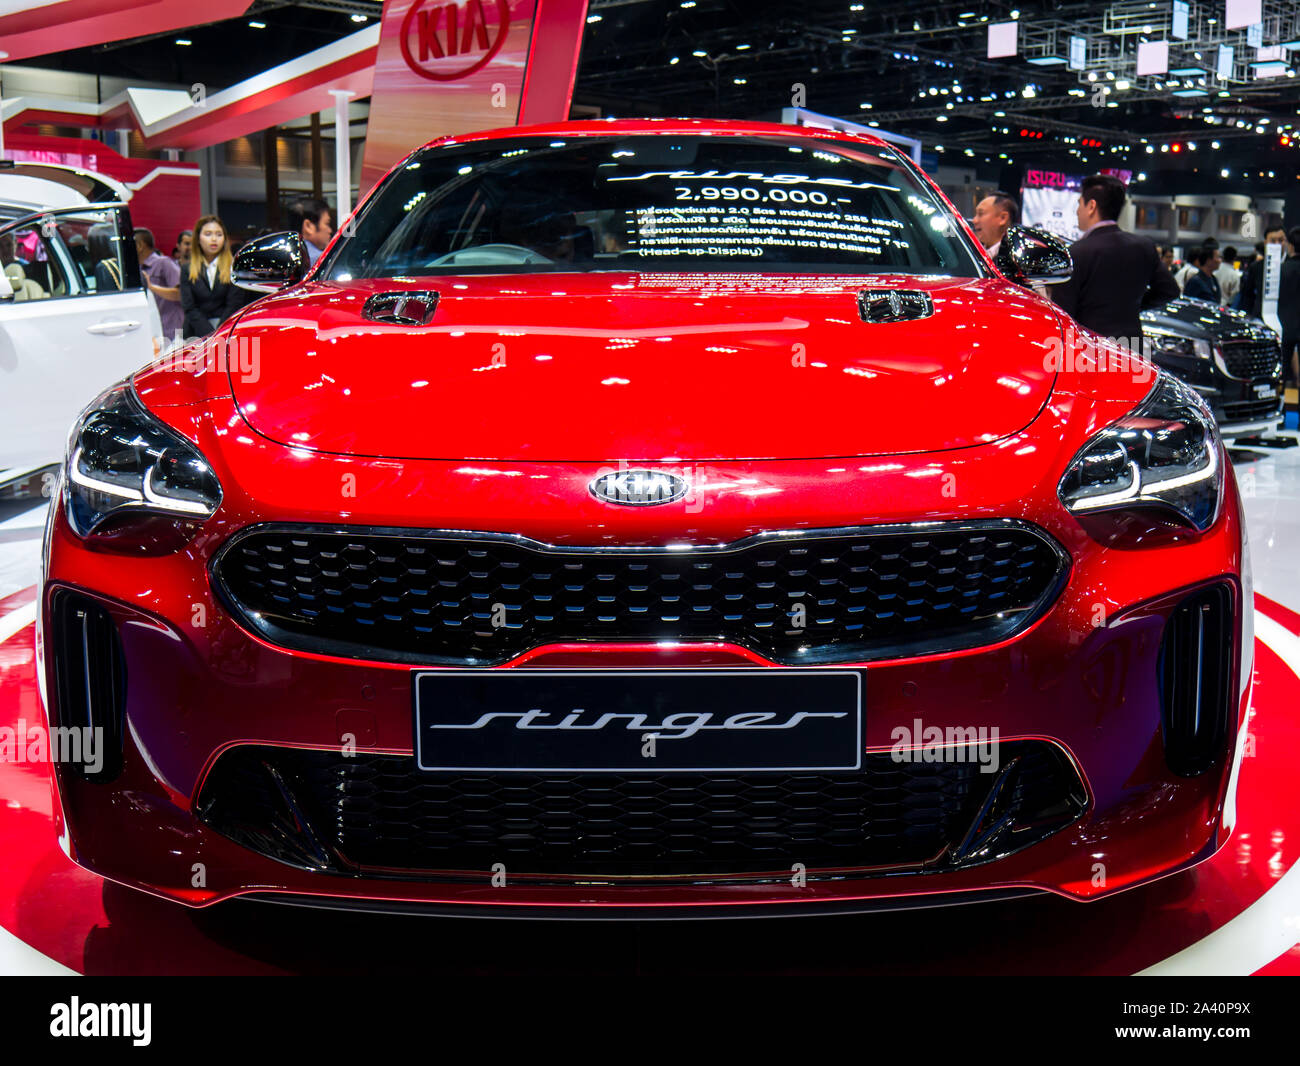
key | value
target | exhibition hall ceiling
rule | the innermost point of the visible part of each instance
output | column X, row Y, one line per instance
column 918, row 68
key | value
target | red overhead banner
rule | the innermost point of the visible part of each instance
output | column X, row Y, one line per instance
column 38, row 27
column 455, row 66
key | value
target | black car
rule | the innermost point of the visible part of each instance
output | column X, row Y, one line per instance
column 1230, row 358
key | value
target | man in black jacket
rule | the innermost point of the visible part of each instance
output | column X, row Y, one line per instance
column 1251, row 297
column 1115, row 273
column 1288, row 307
column 1203, row 285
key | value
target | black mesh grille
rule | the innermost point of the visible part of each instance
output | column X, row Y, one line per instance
column 377, row 815
column 464, row 599
column 1252, row 358
column 1196, row 659
column 1250, row 410
column 89, row 680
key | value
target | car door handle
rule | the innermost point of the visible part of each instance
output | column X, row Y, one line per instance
column 112, row 329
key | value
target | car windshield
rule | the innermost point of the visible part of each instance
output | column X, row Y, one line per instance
column 654, row 202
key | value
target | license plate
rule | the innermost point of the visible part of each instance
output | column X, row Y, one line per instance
column 649, row 721
column 1265, row 391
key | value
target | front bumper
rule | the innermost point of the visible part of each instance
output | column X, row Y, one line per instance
column 196, row 692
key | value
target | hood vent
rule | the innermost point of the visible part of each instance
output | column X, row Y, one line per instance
column 894, row 305
column 405, row 308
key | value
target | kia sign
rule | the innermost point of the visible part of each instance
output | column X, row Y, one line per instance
column 446, row 67
column 446, row 41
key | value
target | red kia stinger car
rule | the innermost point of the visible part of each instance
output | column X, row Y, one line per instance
column 646, row 518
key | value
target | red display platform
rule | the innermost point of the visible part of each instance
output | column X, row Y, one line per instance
column 1216, row 918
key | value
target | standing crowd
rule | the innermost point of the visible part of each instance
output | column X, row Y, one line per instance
column 193, row 286
column 1118, row 274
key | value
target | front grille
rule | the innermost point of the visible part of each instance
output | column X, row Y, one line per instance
column 483, row 599
column 1252, row 358
column 1250, row 411
column 89, row 684
column 379, row 816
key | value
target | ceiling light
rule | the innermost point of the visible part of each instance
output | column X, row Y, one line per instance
column 257, row 25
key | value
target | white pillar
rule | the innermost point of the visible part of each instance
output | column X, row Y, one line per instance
column 124, row 142
column 342, row 156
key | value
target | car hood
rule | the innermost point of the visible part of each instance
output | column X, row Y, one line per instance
column 612, row 367
column 1204, row 321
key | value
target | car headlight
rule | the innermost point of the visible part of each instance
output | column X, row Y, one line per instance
column 1166, row 342
column 122, row 461
column 1165, row 454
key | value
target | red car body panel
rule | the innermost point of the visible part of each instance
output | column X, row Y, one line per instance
column 952, row 418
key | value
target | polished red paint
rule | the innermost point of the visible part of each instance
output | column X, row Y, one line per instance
column 286, row 445
column 737, row 373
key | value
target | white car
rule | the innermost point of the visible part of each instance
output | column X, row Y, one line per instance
column 75, row 315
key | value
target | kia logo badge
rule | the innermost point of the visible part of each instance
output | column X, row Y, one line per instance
column 449, row 40
column 639, row 488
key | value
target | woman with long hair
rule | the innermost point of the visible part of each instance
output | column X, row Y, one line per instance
column 208, row 295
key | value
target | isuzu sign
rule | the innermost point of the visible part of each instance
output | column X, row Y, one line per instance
column 639, row 488
column 448, row 40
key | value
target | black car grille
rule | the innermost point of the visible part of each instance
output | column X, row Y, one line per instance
column 377, row 815
column 483, row 599
column 1250, row 411
column 1252, row 358
column 89, row 681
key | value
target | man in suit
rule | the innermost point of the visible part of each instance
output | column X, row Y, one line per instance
column 1251, row 297
column 994, row 215
column 1288, row 307
column 1115, row 273
column 312, row 221
column 1203, row 283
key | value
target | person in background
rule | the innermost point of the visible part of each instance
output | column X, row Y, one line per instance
column 1203, row 285
column 1116, row 274
column 101, row 241
column 1228, row 276
column 313, row 222
column 208, row 295
column 993, row 216
column 1250, row 298
column 1288, row 308
column 181, row 253
column 163, row 278
column 1167, row 257
column 1188, row 268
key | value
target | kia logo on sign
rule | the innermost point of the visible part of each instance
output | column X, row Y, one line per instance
column 445, row 40
column 639, row 488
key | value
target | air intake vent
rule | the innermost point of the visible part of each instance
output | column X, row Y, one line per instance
column 90, row 686
column 894, row 305
column 1195, row 670
column 401, row 308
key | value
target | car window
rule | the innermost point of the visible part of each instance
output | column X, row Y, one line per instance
column 102, row 252
column 32, row 263
column 654, row 202
column 68, row 253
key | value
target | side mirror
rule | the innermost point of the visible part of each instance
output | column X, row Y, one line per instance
column 270, row 263
column 1034, row 256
